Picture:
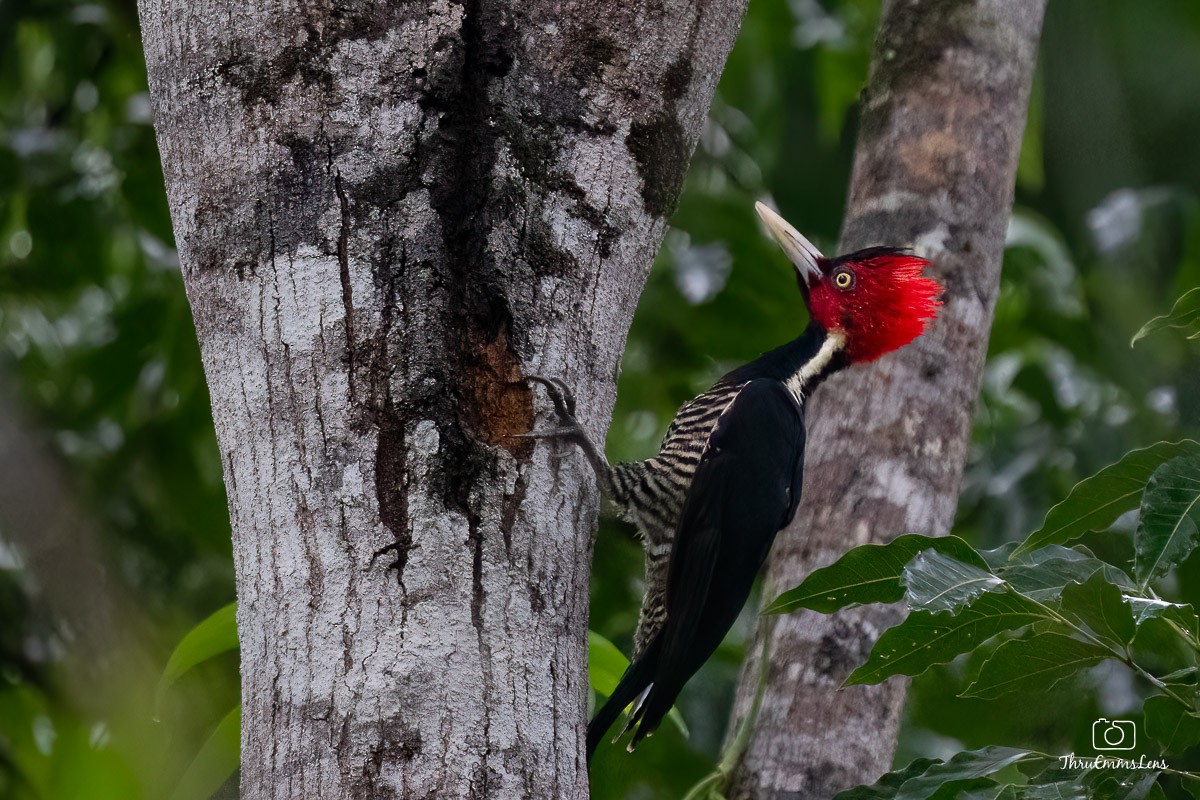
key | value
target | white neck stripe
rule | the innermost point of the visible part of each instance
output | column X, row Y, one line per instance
column 834, row 342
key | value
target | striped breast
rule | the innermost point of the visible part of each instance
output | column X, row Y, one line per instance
column 654, row 490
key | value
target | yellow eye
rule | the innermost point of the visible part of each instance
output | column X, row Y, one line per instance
column 843, row 280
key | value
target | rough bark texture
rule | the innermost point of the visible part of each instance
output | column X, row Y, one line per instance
column 936, row 160
column 387, row 213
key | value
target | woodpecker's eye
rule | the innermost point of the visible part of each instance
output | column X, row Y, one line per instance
column 842, row 279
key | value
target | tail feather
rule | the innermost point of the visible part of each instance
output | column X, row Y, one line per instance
column 633, row 685
column 651, row 711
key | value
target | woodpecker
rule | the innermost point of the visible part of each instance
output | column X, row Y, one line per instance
column 728, row 475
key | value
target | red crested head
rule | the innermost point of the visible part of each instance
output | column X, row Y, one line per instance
column 877, row 298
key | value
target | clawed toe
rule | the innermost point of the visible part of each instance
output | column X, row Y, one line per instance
column 560, row 394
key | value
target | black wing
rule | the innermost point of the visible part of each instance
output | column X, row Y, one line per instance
column 745, row 489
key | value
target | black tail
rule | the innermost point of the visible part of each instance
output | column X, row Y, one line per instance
column 639, row 675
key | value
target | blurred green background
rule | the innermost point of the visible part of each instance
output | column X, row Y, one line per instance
column 123, row 544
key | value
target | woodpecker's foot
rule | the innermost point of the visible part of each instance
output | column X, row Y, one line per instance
column 564, row 405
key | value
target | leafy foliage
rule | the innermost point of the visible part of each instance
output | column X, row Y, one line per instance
column 1038, row 617
column 1094, row 504
column 868, row 574
column 214, row 635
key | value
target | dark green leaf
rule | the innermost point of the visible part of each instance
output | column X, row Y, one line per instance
column 966, row 766
column 1170, row 520
column 1033, row 664
column 1096, row 502
column 1184, row 676
column 886, row 787
column 1120, row 784
column 995, row 792
column 927, row 638
column 1181, row 615
column 935, row 582
column 1062, row 790
column 1176, row 728
column 868, row 574
column 216, row 761
column 927, row 778
column 1185, row 314
column 214, row 635
column 1100, row 605
column 1159, row 646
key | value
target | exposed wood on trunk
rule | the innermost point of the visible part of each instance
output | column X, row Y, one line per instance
column 387, row 214
column 935, row 165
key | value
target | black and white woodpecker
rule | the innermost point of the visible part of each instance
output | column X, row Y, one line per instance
column 728, row 475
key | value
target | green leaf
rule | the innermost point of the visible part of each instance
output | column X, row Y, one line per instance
column 1170, row 520
column 1182, row 676
column 1096, row 502
column 927, row 778
column 1062, row 790
column 1043, row 573
column 927, row 638
column 868, row 574
column 606, row 666
column 1033, row 664
column 996, row 792
column 1099, row 605
column 216, row 761
column 1181, row 614
column 886, row 787
column 214, row 635
column 934, row 582
column 966, row 766
column 1185, row 314
column 1120, row 784
column 1158, row 644
column 1175, row 727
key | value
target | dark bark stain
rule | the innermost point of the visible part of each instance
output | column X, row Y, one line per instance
column 590, row 51
column 391, row 490
column 677, row 80
column 395, row 743
column 263, row 82
column 840, row 650
column 660, row 149
column 343, row 254
column 659, row 144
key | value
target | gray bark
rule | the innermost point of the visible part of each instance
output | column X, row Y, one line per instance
column 387, row 213
column 935, row 165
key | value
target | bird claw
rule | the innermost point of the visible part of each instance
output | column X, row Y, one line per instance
column 564, row 405
column 560, row 394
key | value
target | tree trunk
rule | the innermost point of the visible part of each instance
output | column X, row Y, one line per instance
column 935, row 166
column 387, row 214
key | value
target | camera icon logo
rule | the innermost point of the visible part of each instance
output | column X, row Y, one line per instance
column 1114, row 734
